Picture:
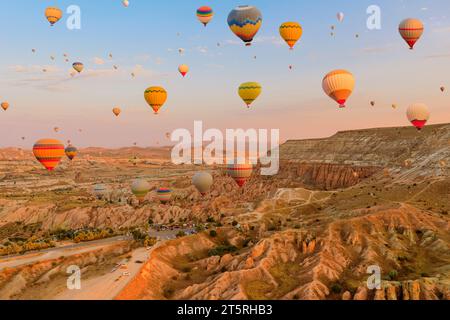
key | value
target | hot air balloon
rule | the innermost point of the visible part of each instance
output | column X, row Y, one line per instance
column 140, row 189
column 332, row 27
column 33, row 50
column 291, row 32
column 78, row 66
column 100, row 191
column 115, row 67
column 5, row 105
column 411, row 30
column 49, row 152
column 117, row 111
column 44, row 70
column 53, row 15
column 183, row 69
column 71, row 152
column 241, row 173
column 56, row 129
column 245, row 22
column 339, row 85
column 164, row 195
column 110, row 56
column 442, row 89
column 181, row 51
column 340, row 16
column 125, row 3
column 23, row 138
column 394, row 106
column 356, row 35
column 203, row 182
column 372, row 103
column 155, row 97
column 205, row 15
column 133, row 75
column 168, row 135
column 52, row 58
column 249, row 92
column 418, row 114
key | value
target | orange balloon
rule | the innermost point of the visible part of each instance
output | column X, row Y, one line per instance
column 49, row 152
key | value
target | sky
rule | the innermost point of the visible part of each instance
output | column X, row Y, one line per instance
column 145, row 37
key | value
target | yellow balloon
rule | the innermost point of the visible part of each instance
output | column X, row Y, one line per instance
column 53, row 15
column 249, row 92
column 291, row 32
column 156, row 97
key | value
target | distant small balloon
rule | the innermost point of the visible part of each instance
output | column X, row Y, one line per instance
column 5, row 105
column 126, row 3
column 442, row 89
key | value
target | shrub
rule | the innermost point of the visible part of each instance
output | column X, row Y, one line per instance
column 213, row 233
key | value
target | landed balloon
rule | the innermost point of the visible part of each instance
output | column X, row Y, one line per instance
column 5, row 105
column 411, row 31
column 78, row 67
column 339, row 85
column 117, row 111
column 245, row 22
column 140, row 189
column 241, row 173
column 291, row 32
column 205, row 15
column 49, row 152
column 164, row 195
column 418, row 114
column 183, row 69
column 53, row 15
column 71, row 152
column 249, row 92
column 203, row 182
column 100, row 191
column 156, row 97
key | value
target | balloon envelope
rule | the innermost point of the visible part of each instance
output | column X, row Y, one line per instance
column 418, row 114
column 117, row 111
column 164, row 195
column 53, row 15
column 5, row 105
column 140, row 189
column 245, row 22
column 183, row 69
column 156, row 97
column 203, row 181
column 49, row 152
column 205, row 15
column 411, row 31
column 71, row 152
column 241, row 173
column 291, row 32
column 339, row 85
column 249, row 92
column 78, row 66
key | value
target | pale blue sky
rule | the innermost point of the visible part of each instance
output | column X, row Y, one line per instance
column 143, row 39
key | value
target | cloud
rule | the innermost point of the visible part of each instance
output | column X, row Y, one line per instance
column 98, row 61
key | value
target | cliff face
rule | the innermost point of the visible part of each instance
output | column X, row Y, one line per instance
column 384, row 147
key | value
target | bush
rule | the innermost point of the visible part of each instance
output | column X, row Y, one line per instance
column 210, row 220
column 181, row 234
column 213, row 233
column 336, row 288
column 234, row 223
column 222, row 250
column 393, row 274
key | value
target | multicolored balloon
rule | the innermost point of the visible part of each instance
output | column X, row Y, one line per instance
column 164, row 195
column 418, row 114
column 78, row 67
column 71, row 152
column 249, row 92
column 203, row 182
column 245, row 22
column 411, row 31
column 205, row 15
column 53, row 15
column 291, row 32
column 49, row 152
column 156, row 97
column 183, row 69
column 5, row 105
column 339, row 85
column 140, row 188
column 241, row 173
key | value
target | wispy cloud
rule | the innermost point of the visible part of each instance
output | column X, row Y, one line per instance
column 98, row 61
